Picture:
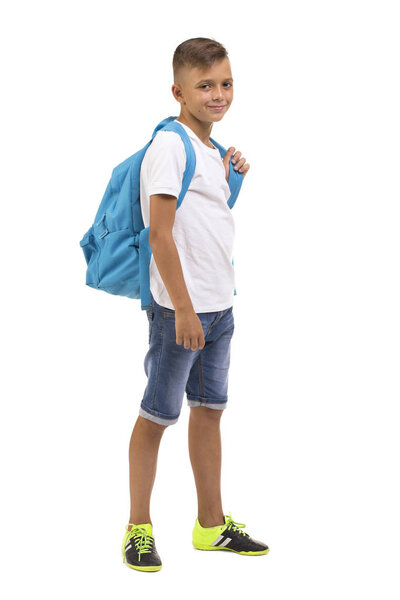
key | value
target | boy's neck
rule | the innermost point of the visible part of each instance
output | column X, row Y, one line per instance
column 202, row 130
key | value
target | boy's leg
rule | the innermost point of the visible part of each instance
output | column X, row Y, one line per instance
column 166, row 366
column 143, row 452
column 205, row 457
column 207, row 394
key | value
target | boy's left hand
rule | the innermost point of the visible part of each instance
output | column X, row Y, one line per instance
column 240, row 164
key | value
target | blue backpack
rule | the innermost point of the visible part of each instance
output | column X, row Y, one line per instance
column 116, row 247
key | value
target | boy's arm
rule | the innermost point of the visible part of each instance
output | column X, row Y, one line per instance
column 162, row 243
column 166, row 162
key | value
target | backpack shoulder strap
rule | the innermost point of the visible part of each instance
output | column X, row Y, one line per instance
column 235, row 179
column 170, row 124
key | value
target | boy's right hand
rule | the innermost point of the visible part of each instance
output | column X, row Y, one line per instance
column 241, row 166
column 189, row 330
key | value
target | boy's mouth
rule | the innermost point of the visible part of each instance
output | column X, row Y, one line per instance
column 217, row 107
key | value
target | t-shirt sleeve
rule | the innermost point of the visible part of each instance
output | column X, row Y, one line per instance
column 166, row 163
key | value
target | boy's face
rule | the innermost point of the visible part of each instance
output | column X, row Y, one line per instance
column 201, row 90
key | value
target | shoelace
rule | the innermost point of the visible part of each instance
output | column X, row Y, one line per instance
column 143, row 541
column 235, row 526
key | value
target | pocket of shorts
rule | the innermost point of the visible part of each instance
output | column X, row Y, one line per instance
column 150, row 317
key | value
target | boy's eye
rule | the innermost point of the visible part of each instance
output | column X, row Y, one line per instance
column 207, row 85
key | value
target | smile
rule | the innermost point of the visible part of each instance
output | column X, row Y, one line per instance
column 217, row 107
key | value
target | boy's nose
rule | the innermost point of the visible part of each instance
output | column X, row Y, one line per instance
column 218, row 94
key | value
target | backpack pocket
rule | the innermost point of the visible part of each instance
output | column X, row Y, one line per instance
column 88, row 246
column 119, row 263
column 90, row 252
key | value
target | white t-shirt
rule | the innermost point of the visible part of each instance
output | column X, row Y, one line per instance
column 203, row 229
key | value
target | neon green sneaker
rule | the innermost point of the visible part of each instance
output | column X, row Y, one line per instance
column 227, row 537
column 139, row 549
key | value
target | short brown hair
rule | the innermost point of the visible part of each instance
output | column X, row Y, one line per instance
column 197, row 52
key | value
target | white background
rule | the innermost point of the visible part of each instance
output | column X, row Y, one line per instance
column 311, row 434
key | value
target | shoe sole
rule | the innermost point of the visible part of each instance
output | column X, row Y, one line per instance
column 137, row 568
column 203, row 547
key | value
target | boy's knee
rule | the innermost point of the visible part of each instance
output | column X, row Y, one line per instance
column 206, row 412
column 152, row 425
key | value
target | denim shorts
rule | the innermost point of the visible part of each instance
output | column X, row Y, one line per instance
column 173, row 370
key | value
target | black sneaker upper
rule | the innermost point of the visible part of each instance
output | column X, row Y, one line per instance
column 140, row 549
column 238, row 540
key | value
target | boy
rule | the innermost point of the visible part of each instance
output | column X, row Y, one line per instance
column 191, row 319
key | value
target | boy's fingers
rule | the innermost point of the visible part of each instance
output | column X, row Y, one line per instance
column 227, row 159
column 229, row 153
column 236, row 157
column 197, row 343
column 239, row 164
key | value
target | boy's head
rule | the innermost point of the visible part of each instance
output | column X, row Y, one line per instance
column 202, row 79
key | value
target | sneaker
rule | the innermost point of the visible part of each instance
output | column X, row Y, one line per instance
column 226, row 537
column 138, row 548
